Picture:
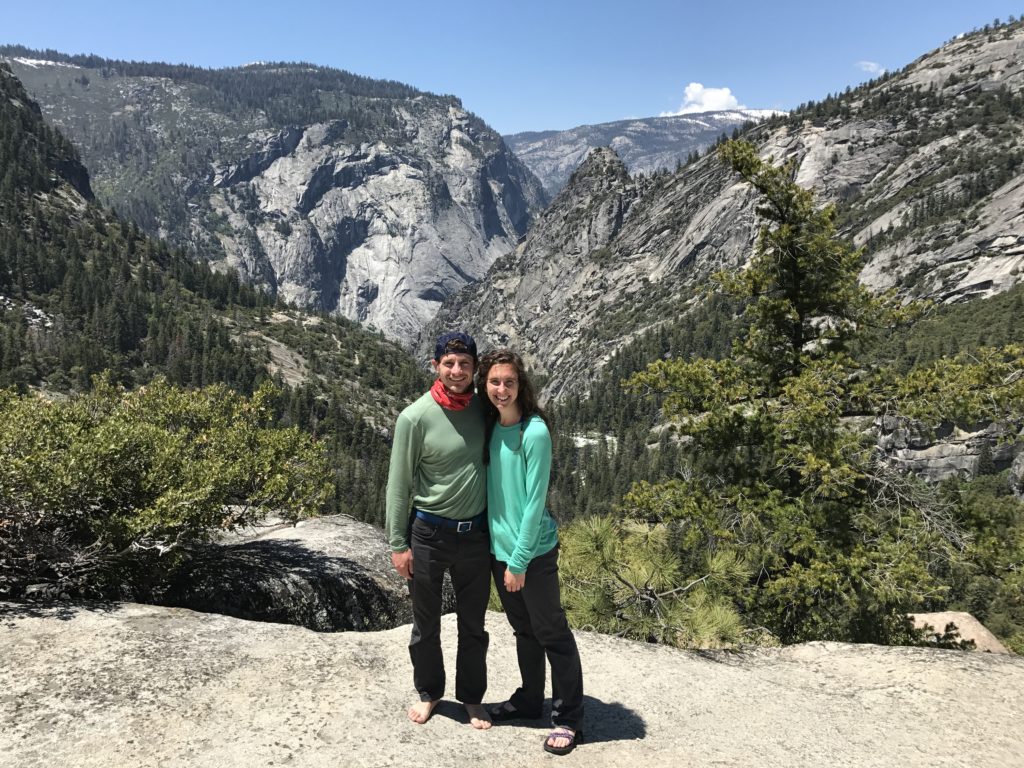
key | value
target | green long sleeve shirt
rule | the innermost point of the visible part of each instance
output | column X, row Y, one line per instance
column 436, row 465
column 517, row 489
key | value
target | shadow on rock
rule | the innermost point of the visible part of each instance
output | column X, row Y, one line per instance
column 285, row 582
column 604, row 722
column 611, row 721
column 10, row 612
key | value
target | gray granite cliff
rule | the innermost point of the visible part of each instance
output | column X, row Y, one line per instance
column 378, row 217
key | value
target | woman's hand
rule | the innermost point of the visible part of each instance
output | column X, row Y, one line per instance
column 514, row 581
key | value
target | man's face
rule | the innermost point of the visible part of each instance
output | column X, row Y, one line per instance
column 455, row 370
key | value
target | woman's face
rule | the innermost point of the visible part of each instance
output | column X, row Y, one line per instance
column 503, row 389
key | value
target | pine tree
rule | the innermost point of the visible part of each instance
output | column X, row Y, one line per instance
column 784, row 518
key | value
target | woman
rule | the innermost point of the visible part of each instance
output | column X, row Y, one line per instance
column 524, row 545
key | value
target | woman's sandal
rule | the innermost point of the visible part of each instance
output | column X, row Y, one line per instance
column 505, row 711
column 564, row 733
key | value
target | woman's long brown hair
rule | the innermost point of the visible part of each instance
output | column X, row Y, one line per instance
column 526, row 397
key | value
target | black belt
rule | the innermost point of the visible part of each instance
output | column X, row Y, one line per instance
column 459, row 526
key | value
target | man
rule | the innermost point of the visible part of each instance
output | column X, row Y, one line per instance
column 436, row 481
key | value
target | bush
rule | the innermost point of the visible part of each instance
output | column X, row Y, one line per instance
column 90, row 484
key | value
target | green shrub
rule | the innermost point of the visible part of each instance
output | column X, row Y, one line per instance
column 90, row 483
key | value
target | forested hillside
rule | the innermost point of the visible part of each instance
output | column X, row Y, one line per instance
column 923, row 168
column 940, row 220
column 83, row 291
column 260, row 96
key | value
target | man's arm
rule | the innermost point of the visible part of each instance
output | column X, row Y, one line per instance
column 404, row 460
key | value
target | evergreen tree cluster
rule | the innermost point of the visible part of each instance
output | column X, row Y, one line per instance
column 356, row 382
column 107, row 298
column 100, row 492
column 590, row 477
column 989, row 584
column 770, row 513
column 951, row 330
column 608, row 441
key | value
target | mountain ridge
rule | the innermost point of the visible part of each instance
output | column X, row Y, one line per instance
column 646, row 145
column 925, row 168
column 83, row 292
column 364, row 198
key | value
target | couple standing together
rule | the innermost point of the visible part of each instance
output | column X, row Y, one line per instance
column 467, row 490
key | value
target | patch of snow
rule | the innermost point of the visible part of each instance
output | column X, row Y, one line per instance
column 36, row 63
column 581, row 441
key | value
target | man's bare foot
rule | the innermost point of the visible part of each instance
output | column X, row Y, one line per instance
column 421, row 711
column 478, row 716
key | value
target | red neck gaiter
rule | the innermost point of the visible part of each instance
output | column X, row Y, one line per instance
column 446, row 399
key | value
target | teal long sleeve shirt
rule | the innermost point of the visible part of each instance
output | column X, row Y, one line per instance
column 517, row 487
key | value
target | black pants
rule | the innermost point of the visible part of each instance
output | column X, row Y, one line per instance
column 541, row 629
column 467, row 557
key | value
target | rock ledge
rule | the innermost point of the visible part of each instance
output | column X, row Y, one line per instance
column 134, row 685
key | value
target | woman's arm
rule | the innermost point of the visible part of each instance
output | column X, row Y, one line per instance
column 537, row 452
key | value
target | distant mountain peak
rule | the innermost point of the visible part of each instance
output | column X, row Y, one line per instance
column 603, row 160
column 644, row 144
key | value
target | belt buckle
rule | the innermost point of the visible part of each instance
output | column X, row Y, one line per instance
column 468, row 526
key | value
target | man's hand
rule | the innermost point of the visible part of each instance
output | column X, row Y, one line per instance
column 514, row 581
column 403, row 563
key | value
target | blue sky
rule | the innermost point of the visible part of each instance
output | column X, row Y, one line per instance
column 532, row 65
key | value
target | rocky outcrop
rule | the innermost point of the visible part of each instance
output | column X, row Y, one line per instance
column 378, row 233
column 949, row 451
column 274, row 146
column 644, row 144
column 965, row 627
column 1017, row 475
column 126, row 684
column 537, row 298
column 611, row 257
column 326, row 574
column 54, row 151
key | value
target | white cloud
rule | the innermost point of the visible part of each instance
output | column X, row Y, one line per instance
column 871, row 67
column 697, row 98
